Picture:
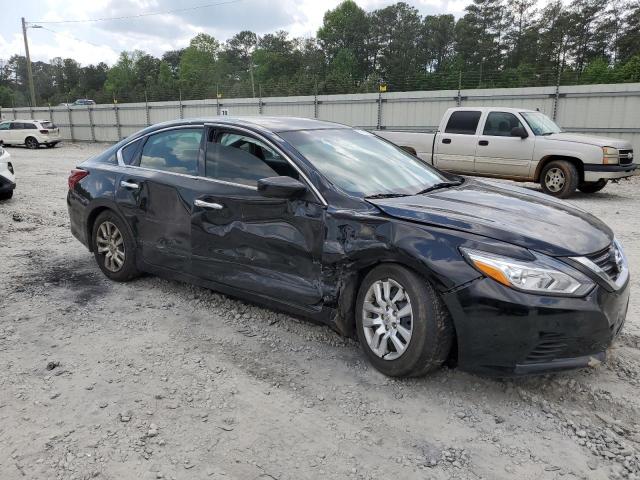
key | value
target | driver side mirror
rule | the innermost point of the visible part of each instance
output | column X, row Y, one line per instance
column 281, row 187
column 519, row 132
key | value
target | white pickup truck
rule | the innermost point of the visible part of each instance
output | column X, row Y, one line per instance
column 522, row 145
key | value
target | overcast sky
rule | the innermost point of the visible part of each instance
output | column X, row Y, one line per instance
column 92, row 42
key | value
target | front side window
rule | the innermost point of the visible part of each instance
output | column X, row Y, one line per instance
column 540, row 124
column 173, row 151
column 500, row 124
column 463, row 122
column 361, row 163
column 4, row 126
column 238, row 158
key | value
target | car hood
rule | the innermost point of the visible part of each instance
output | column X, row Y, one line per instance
column 504, row 212
column 590, row 140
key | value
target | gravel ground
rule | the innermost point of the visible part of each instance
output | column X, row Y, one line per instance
column 160, row 379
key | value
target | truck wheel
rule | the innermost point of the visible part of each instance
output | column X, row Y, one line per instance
column 592, row 187
column 403, row 326
column 559, row 178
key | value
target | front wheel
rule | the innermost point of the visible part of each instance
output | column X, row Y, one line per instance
column 559, row 178
column 403, row 326
column 114, row 248
column 31, row 143
column 6, row 195
column 592, row 187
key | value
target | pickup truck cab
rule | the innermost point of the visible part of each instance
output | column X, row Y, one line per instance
column 522, row 145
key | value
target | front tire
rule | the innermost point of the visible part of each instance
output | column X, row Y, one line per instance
column 559, row 178
column 114, row 248
column 402, row 324
column 31, row 143
column 6, row 195
column 592, row 187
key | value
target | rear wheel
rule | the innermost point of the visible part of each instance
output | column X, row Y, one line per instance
column 114, row 248
column 31, row 142
column 592, row 187
column 559, row 178
column 403, row 326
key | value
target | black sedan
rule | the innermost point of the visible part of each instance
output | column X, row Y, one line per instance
column 342, row 227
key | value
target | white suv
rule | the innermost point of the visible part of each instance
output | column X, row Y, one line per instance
column 30, row 133
column 7, row 179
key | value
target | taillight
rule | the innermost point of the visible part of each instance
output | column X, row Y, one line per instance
column 77, row 174
column 44, row 131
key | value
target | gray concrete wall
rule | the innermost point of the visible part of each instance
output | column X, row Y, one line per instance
column 607, row 110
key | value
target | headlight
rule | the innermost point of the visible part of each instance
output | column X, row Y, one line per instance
column 544, row 275
column 610, row 156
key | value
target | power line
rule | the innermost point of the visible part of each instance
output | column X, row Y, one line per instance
column 68, row 35
column 150, row 14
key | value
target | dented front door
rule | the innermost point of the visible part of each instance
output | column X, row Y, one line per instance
column 264, row 245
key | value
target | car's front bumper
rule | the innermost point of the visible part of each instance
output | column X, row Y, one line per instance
column 593, row 173
column 504, row 332
column 6, row 184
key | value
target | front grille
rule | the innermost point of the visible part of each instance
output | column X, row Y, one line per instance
column 606, row 260
column 626, row 157
column 550, row 346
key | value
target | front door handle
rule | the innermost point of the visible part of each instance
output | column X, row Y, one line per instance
column 446, row 140
column 484, row 143
column 212, row 205
column 132, row 185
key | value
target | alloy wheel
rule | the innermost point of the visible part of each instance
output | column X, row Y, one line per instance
column 554, row 179
column 387, row 319
column 110, row 244
column 31, row 143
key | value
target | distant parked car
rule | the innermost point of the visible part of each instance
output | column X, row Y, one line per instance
column 30, row 133
column 83, row 101
column 7, row 179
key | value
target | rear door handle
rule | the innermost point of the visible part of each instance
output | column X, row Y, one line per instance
column 484, row 143
column 212, row 205
column 131, row 185
column 446, row 140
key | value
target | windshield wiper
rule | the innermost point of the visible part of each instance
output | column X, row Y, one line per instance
column 386, row 195
column 548, row 133
column 440, row 185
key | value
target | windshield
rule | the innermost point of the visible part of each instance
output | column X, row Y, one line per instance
column 540, row 123
column 362, row 164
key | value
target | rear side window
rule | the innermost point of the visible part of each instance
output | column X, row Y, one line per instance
column 130, row 153
column 29, row 126
column 173, row 151
column 463, row 122
column 16, row 126
column 500, row 124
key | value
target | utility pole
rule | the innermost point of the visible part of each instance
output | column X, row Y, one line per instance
column 32, row 90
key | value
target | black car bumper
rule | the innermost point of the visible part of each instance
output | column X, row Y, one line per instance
column 503, row 332
column 6, row 185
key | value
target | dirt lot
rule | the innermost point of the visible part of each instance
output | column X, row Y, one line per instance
column 159, row 379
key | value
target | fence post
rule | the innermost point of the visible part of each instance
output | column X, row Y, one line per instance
column 379, row 123
column 117, row 114
column 315, row 100
column 0, row 113
column 260, row 99
column 146, row 107
column 51, row 114
column 556, row 98
column 13, row 110
column 180, row 104
column 70, row 124
column 91, row 124
column 459, row 99
column 217, row 100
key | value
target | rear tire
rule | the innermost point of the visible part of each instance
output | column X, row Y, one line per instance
column 403, row 327
column 114, row 248
column 592, row 187
column 559, row 178
column 31, row 143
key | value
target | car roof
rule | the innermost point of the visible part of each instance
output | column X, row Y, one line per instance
column 272, row 123
column 493, row 109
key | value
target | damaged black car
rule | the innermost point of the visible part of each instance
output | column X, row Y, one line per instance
column 342, row 227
